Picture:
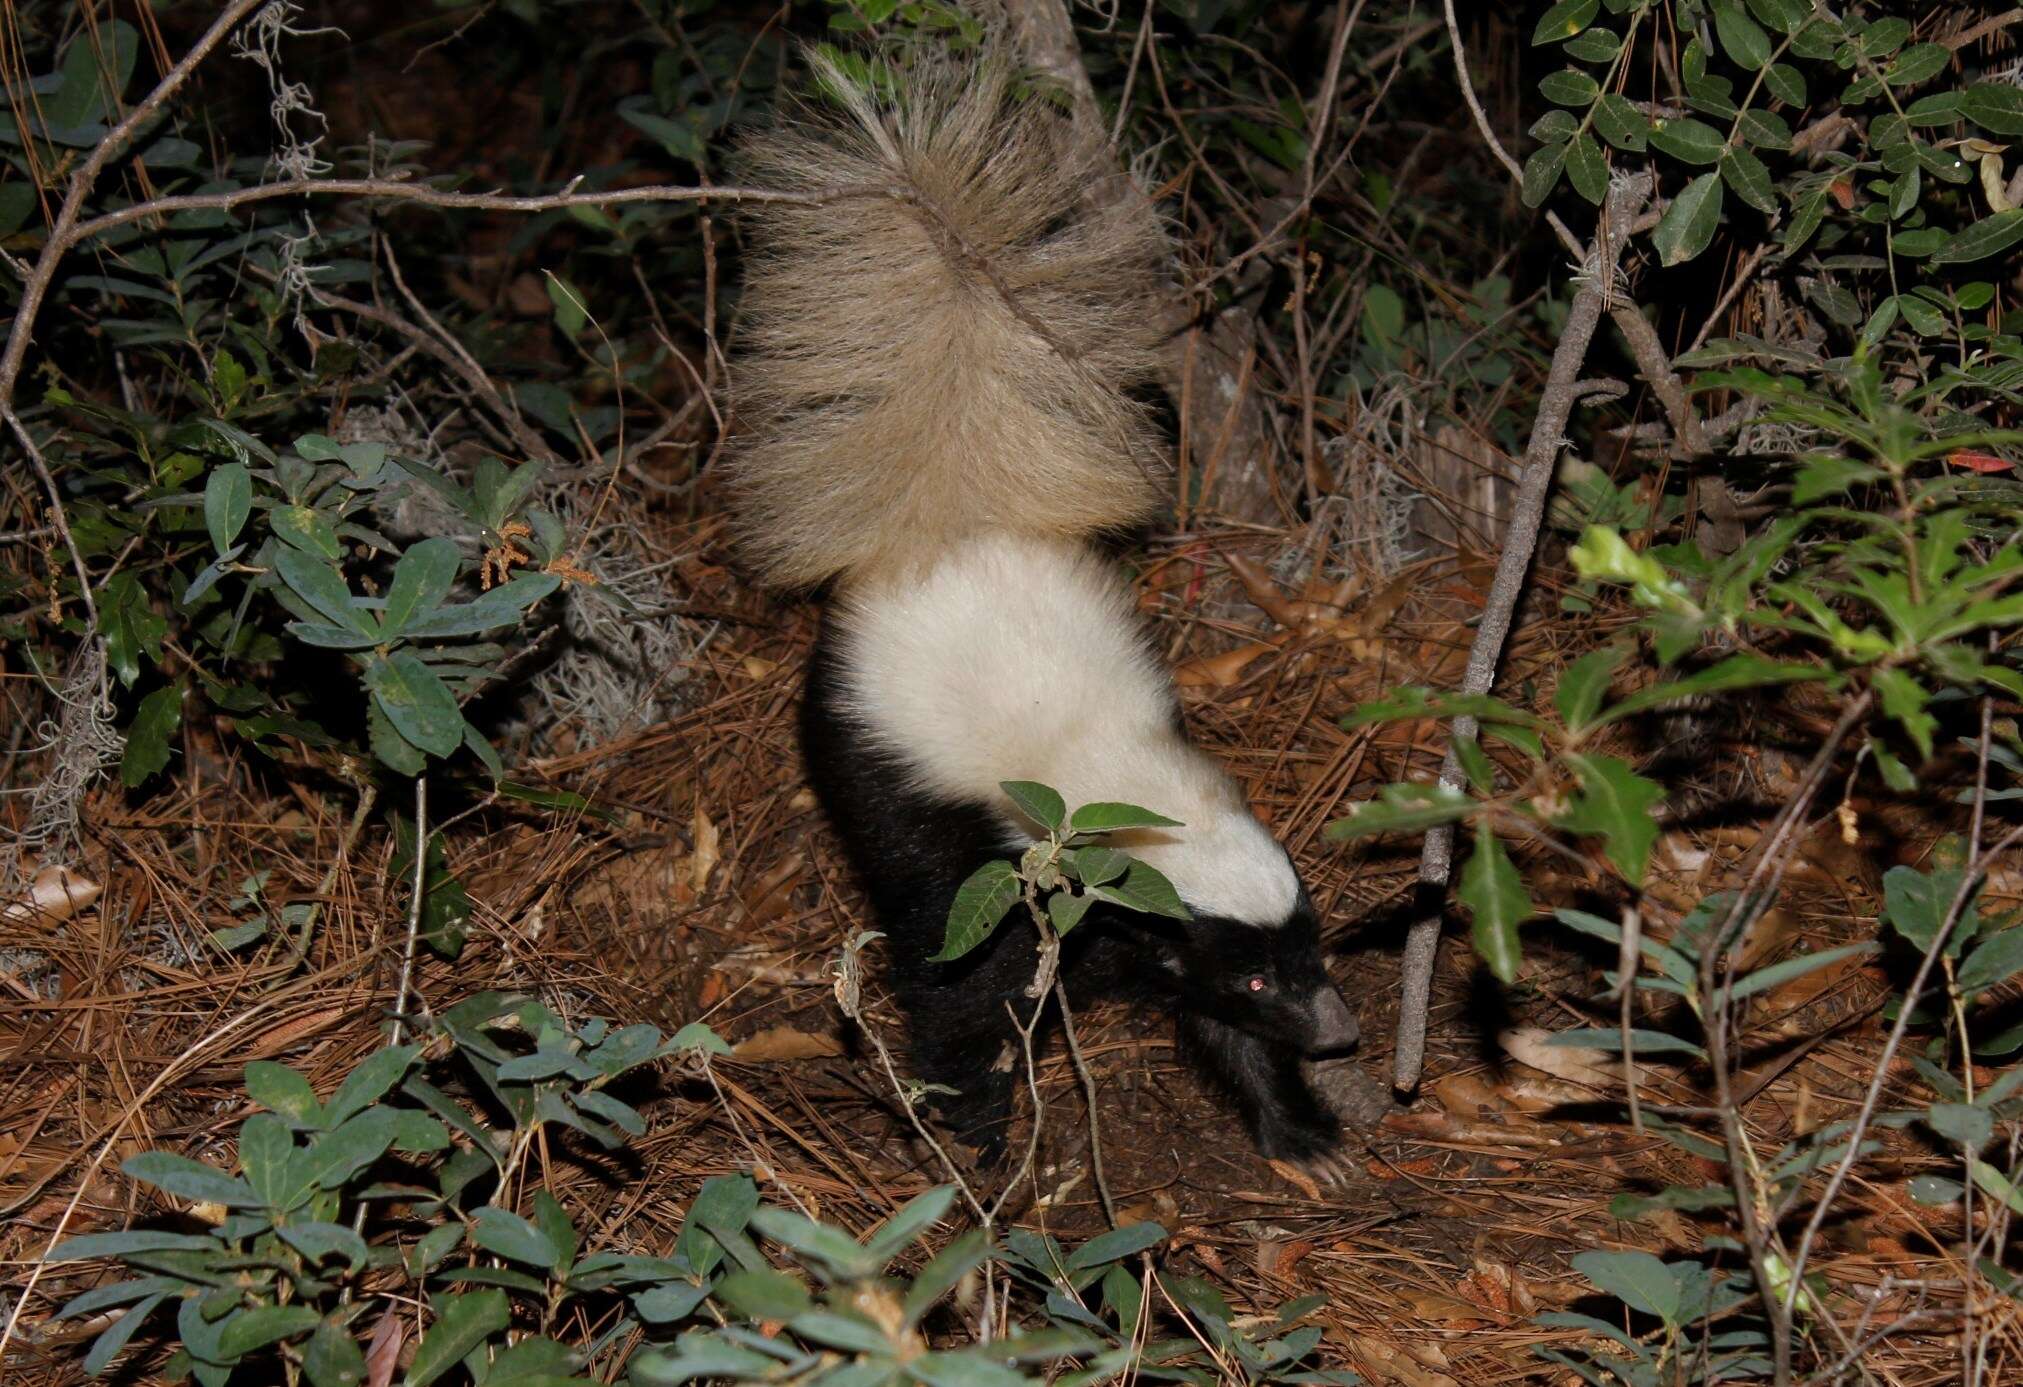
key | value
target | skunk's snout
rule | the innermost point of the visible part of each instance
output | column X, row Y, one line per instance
column 1334, row 1025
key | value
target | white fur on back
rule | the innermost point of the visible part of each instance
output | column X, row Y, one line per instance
column 1018, row 658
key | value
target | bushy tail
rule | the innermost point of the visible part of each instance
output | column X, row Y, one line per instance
column 948, row 356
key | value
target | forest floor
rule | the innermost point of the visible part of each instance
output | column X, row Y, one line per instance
column 706, row 886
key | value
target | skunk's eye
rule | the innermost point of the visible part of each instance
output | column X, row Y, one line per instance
column 1255, row 983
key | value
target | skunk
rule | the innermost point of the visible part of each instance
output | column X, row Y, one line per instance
column 935, row 422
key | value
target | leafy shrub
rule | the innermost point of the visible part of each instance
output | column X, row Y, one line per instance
column 392, row 1187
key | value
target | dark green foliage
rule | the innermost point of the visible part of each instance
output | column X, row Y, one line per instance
column 274, row 1276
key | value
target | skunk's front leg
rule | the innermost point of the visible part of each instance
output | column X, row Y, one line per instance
column 1284, row 1116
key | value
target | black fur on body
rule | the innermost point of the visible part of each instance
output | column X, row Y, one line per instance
column 1250, row 1003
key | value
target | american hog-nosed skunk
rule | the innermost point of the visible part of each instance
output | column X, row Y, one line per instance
column 935, row 421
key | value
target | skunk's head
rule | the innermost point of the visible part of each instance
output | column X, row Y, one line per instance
column 1265, row 979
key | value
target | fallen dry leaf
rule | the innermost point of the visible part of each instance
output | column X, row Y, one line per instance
column 1467, row 1095
column 1298, row 1179
column 1220, row 671
column 56, row 894
column 708, row 850
column 784, row 1043
column 382, row 1355
column 1529, row 1045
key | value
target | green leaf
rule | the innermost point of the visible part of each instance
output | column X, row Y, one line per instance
column 553, row 1221
column 1610, row 1039
column 263, row 1325
column 403, row 756
column 332, row 1358
column 1564, row 20
column 1115, row 1245
column 321, row 586
column 763, row 1294
column 1594, row 46
column 1586, row 169
column 830, row 1246
column 317, row 1241
column 106, row 1346
column 228, row 500
column 909, row 1221
column 421, row 580
column 1688, row 226
column 1065, row 910
column 1777, row 974
column 570, row 314
column 1570, row 87
column 1475, row 765
column 1101, row 817
column 91, row 1246
column 1904, row 699
column 1146, row 890
column 1916, row 904
column 1093, row 864
column 724, row 1202
column 1622, row 124
column 417, row 702
column 341, row 1153
column 1541, row 173
column 191, row 1180
column 280, row 1089
column 505, row 1234
column 370, row 1080
column 147, row 739
column 1040, row 803
column 1934, row 1189
column 1401, row 809
column 1496, row 899
column 130, row 626
column 1614, row 803
column 1962, row 1123
column 668, row 1304
column 462, row 1323
column 306, row 530
column 1996, row 1184
column 1822, row 476
column 942, row 1274
column 1743, row 671
column 1786, row 83
column 1691, row 141
column 1750, row 180
column 1741, row 37
column 499, row 607
column 1584, row 684
column 980, row 904
column 1989, row 236
column 1918, row 63
column 1994, row 961
column 1638, row 1279
column 1996, row 107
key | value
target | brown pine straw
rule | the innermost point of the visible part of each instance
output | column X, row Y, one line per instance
column 1458, row 1218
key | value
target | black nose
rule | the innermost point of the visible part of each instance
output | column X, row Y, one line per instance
column 1334, row 1024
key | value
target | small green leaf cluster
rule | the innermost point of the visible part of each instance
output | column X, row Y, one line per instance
column 1566, row 788
column 277, row 1276
column 1071, row 854
column 1742, row 79
column 1887, row 569
column 393, row 1186
column 1678, row 1295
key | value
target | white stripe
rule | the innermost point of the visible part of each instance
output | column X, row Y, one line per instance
column 1022, row 659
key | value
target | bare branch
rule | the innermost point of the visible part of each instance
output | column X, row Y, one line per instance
column 1548, row 435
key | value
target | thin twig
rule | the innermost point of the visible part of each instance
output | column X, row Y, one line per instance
column 1548, row 436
